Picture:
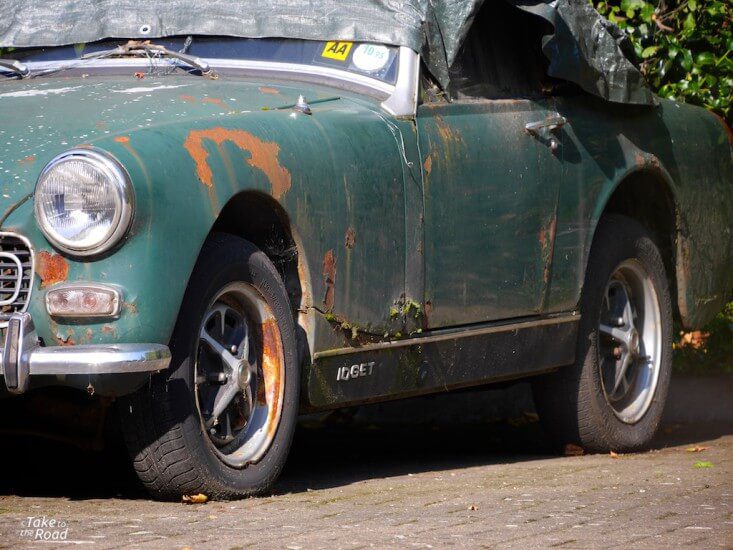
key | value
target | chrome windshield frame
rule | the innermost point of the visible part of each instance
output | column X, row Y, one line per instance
column 399, row 99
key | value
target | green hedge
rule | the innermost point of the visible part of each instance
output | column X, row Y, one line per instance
column 685, row 47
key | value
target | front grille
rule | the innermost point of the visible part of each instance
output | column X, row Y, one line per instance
column 16, row 274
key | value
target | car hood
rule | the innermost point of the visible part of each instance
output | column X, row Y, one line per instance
column 44, row 117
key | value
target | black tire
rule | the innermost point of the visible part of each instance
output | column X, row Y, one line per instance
column 571, row 402
column 172, row 453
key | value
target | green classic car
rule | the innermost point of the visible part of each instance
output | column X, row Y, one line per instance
column 224, row 225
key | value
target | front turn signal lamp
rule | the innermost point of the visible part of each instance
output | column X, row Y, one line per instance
column 83, row 301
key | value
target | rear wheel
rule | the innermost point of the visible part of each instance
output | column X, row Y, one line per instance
column 613, row 397
column 221, row 420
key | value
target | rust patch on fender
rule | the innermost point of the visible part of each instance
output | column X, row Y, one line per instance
column 215, row 101
column 350, row 238
column 273, row 367
column 68, row 341
column 30, row 159
column 643, row 160
column 51, row 268
column 263, row 156
column 329, row 278
column 122, row 139
column 428, row 165
column 188, row 98
column 269, row 90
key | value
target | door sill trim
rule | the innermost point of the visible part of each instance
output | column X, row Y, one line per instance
column 439, row 335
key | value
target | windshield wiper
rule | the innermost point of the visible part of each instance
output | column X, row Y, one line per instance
column 136, row 48
column 15, row 66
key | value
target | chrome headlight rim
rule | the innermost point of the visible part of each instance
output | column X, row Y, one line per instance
column 115, row 171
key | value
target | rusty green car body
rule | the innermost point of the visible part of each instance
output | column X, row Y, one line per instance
column 425, row 243
column 370, row 255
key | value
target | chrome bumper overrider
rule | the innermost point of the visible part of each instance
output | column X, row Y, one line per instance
column 23, row 357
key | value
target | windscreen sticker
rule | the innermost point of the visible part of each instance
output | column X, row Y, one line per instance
column 370, row 57
column 337, row 50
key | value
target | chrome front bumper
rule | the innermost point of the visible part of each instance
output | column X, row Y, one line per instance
column 23, row 357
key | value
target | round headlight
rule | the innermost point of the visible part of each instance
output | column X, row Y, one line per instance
column 84, row 201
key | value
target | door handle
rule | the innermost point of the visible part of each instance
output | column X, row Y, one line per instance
column 542, row 128
column 550, row 124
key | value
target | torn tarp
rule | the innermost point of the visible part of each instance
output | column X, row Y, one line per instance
column 584, row 48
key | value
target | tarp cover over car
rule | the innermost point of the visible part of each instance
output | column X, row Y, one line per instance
column 584, row 48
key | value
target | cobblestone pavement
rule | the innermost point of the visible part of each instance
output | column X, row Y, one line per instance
column 491, row 484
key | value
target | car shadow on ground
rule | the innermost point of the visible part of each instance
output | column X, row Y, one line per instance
column 436, row 434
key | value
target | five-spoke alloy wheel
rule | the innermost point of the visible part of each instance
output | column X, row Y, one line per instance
column 239, row 387
column 630, row 341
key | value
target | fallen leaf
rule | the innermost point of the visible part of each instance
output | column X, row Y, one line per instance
column 195, row 499
column 614, row 454
column 573, row 450
column 696, row 449
column 473, row 507
column 695, row 339
column 704, row 464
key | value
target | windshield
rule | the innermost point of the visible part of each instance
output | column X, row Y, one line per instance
column 373, row 60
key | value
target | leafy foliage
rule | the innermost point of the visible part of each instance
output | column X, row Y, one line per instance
column 685, row 47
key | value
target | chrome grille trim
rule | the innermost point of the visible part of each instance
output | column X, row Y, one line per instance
column 15, row 289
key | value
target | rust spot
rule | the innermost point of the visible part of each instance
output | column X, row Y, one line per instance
column 426, row 316
column 51, row 268
column 546, row 238
column 108, row 329
column 263, row 156
column 350, row 239
column 446, row 131
column 329, row 278
column 130, row 307
column 273, row 363
column 68, row 340
column 188, row 98
column 643, row 160
column 122, row 139
column 89, row 334
column 269, row 90
column 215, row 101
column 30, row 159
column 428, row 165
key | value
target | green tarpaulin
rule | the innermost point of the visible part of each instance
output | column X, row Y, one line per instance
column 584, row 48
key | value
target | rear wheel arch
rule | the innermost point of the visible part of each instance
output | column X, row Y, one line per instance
column 647, row 196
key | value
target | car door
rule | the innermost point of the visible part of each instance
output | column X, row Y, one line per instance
column 490, row 185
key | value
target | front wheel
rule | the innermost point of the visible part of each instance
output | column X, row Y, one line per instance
column 221, row 419
column 613, row 397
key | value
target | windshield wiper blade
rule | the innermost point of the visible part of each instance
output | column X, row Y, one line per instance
column 15, row 66
column 138, row 48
